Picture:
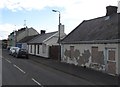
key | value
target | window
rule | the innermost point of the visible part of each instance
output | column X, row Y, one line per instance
column 38, row 49
column 30, row 48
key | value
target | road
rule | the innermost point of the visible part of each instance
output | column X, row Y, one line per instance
column 19, row 71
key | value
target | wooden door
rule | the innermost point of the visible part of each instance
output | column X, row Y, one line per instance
column 54, row 52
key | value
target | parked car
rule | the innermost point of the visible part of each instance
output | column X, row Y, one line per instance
column 19, row 52
column 12, row 50
column 8, row 47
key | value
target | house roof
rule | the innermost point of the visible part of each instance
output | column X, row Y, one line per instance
column 18, row 32
column 41, row 37
column 102, row 28
column 26, row 39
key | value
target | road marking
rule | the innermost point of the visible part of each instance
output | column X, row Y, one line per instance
column 36, row 82
column 8, row 60
column 19, row 68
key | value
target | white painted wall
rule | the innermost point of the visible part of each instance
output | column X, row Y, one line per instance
column 30, row 49
column 45, row 54
column 53, row 40
column 82, row 47
column 41, row 53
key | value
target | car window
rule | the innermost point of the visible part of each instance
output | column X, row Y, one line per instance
column 23, row 50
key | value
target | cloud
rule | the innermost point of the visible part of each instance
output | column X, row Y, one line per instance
column 6, row 29
column 119, row 7
column 72, row 8
column 15, row 5
column 74, row 11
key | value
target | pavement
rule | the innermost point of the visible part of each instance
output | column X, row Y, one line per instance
column 96, row 77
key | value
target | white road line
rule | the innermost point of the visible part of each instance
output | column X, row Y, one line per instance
column 19, row 68
column 36, row 82
column 8, row 60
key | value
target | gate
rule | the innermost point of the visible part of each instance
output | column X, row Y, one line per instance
column 54, row 52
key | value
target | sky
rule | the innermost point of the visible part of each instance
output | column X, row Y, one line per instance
column 39, row 15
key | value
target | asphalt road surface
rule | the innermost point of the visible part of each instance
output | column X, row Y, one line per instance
column 19, row 71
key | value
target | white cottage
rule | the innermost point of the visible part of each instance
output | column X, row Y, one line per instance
column 40, row 45
column 23, row 42
column 95, row 44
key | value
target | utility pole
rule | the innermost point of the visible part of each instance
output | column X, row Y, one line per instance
column 24, row 23
column 59, row 54
column 27, row 32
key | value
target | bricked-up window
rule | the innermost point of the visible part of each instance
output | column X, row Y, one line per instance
column 72, row 52
column 97, row 56
column 38, row 49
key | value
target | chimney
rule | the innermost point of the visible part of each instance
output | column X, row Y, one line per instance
column 61, row 28
column 42, row 31
column 118, row 7
column 111, row 10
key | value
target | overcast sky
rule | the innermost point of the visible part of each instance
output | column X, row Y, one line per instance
column 38, row 14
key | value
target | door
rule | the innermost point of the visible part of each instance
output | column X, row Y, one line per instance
column 111, row 61
column 54, row 52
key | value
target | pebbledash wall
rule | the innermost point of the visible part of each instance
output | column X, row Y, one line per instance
column 101, row 57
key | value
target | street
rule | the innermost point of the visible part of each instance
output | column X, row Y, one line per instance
column 19, row 71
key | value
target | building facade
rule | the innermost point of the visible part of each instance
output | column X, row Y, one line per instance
column 95, row 44
column 40, row 45
column 16, row 36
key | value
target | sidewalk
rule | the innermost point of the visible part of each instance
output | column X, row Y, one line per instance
column 96, row 77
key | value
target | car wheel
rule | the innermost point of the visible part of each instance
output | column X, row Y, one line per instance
column 26, row 57
column 16, row 56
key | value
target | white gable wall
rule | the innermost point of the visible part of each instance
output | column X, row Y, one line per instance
column 53, row 40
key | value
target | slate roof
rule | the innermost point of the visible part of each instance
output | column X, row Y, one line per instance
column 98, row 29
column 41, row 37
column 26, row 39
